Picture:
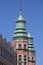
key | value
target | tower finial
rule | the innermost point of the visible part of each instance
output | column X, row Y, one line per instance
column 29, row 32
column 20, row 7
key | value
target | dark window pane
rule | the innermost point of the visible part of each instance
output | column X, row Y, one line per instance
column 20, row 57
column 28, row 59
column 24, row 46
column 33, row 58
column 20, row 63
column 24, row 57
column 19, row 46
column 24, row 63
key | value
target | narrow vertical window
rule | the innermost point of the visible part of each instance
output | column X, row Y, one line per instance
column 24, row 57
column 24, row 63
column 19, row 46
column 28, row 59
column 24, row 46
column 20, row 57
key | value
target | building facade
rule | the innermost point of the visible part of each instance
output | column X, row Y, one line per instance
column 7, row 54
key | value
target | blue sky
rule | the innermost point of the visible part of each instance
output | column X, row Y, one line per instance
column 32, row 11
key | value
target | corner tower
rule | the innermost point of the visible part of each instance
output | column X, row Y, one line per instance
column 31, row 50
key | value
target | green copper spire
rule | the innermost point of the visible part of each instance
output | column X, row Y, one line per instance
column 20, row 18
column 20, row 30
column 30, row 42
column 29, row 35
column 29, row 32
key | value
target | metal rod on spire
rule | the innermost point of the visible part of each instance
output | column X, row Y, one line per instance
column 20, row 7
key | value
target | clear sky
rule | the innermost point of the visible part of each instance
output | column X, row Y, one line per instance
column 32, row 11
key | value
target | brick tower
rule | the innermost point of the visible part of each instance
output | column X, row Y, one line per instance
column 23, row 43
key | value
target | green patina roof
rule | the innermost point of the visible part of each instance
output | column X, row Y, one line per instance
column 20, row 31
column 31, row 49
column 20, row 34
column 30, row 44
column 29, row 36
column 20, row 19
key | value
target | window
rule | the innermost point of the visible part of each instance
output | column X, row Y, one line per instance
column 24, row 57
column 19, row 46
column 20, row 63
column 33, row 58
column 28, row 59
column 24, row 46
column 20, row 57
column 24, row 63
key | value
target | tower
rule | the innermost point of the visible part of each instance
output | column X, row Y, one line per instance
column 31, row 50
column 20, row 40
column 23, row 43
